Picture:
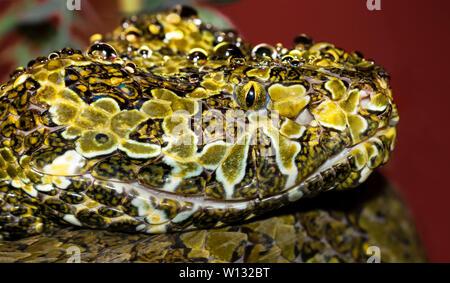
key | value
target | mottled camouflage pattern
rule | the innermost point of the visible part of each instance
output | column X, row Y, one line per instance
column 169, row 124
column 335, row 227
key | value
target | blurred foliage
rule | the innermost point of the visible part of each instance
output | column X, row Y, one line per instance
column 41, row 25
column 29, row 28
column 222, row 1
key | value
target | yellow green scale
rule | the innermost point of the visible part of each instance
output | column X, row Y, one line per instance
column 165, row 119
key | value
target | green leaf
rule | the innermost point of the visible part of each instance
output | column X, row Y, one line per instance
column 211, row 17
column 22, row 55
column 7, row 24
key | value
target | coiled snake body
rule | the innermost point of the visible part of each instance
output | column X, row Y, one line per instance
column 169, row 124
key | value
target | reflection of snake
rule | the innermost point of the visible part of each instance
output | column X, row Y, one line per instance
column 170, row 125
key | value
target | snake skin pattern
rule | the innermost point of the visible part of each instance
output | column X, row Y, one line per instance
column 334, row 227
column 169, row 124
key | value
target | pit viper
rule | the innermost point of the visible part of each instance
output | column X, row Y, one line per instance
column 182, row 142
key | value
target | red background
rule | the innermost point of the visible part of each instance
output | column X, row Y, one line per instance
column 411, row 40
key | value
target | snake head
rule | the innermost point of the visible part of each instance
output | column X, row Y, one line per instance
column 172, row 124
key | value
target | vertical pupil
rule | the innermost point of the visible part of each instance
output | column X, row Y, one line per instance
column 250, row 98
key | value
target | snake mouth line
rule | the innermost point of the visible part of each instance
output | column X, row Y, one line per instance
column 202, row 201
column 146, row 191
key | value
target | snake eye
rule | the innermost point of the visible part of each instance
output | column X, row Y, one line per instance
column 250, row 98
column 251, row 95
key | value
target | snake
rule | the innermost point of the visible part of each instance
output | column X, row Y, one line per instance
column 171, row 133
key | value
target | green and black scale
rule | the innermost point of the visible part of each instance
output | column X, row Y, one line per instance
column 169, row 140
